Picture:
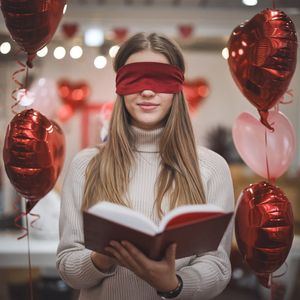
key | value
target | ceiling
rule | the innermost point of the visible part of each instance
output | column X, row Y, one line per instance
column 212, row 20
column 229, row 4
column 208, row 17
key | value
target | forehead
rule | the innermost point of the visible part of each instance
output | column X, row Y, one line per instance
column 147, row 55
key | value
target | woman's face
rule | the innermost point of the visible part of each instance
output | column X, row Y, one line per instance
column 147, row 108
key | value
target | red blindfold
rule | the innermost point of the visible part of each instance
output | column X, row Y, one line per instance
column 158, row 77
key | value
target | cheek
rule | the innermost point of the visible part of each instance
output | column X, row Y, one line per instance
column 167, row 102
column 129, row 101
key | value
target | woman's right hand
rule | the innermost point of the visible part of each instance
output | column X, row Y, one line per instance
column 102, row 262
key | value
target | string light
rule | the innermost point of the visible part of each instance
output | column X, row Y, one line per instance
column 250, row 2
column 225, row 53
column 5, row 48
column 59, row 52
column 94, row 37
column 43, row 52
column 113, row 51
column 100, row 62
column 76, row 52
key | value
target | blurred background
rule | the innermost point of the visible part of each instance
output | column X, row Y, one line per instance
column 80, row 56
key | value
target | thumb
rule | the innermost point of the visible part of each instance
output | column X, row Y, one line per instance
column 171, row 253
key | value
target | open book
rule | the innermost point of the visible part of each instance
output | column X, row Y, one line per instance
column 195, row 228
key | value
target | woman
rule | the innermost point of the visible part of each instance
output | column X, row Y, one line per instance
column 151, row 164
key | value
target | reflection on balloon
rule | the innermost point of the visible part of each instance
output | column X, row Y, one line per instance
column 249, row 140
column 264, row 228
column 33, row 154
column 32, row 23
column 262, row 58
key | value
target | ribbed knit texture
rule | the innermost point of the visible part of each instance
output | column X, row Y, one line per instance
column 204, row 276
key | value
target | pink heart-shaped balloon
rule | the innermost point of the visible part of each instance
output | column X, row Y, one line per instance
column 33, row 154
column 249, row 139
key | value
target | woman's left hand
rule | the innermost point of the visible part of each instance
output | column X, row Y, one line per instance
column 159, row 274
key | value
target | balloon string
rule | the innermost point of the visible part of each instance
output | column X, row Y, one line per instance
column 19, row 84
column 18, row 218
column 281, row 274
column 278, row 289
column 289, row 93
column 274, row 6
column 36, row 218
column 29, row 260
column 267, row 161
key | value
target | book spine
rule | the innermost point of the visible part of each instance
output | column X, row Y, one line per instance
column 155, row 252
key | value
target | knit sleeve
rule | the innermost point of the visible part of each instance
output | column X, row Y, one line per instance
column 74, row 262
column 208, row 274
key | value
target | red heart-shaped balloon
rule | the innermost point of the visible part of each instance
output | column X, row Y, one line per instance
column 195, row 91
column 262, row 57
column 33, row 154
column 185, row 30
column 264, row 228
column 69, row 29
column 120, row 33
column 73, row 94
column 32, row 23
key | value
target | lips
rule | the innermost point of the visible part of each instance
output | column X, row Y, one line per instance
column 147, row 104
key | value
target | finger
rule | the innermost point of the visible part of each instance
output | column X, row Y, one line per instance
column 126, row 257
column 116, row 255
column 142, row 260
column 171, row 253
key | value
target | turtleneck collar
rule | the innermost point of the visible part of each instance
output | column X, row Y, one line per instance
column 147, row 140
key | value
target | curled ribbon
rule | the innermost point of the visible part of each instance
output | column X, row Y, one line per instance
column 290, row 93
column 19, row 84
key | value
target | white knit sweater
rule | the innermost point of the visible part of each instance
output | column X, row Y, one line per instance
column 204, row 276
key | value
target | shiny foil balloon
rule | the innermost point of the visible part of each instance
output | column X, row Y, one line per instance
column 32, row 23
column 264, row 228
column 262, row 58
column 33, row 154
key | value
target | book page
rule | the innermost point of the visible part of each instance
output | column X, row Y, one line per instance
column 124, row 216
column 188, row 213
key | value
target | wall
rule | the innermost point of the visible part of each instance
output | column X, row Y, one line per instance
column 223, row 105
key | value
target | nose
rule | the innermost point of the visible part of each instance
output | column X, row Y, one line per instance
column 147, row 93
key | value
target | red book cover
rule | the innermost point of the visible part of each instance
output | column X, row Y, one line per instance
column 195, row 228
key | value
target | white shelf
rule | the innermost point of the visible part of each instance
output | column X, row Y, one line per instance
column 13, row 252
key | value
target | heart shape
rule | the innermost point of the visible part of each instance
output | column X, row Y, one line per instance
column 249, row 139
column 185, row 30
column 32, row 23
column 264, row 228
column 262, row 57
column 33, row 154
column 120, row 33
column 70, row 29
column 195, row 91
column 73, row 94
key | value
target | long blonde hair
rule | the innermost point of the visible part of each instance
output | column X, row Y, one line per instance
column 107, row 174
